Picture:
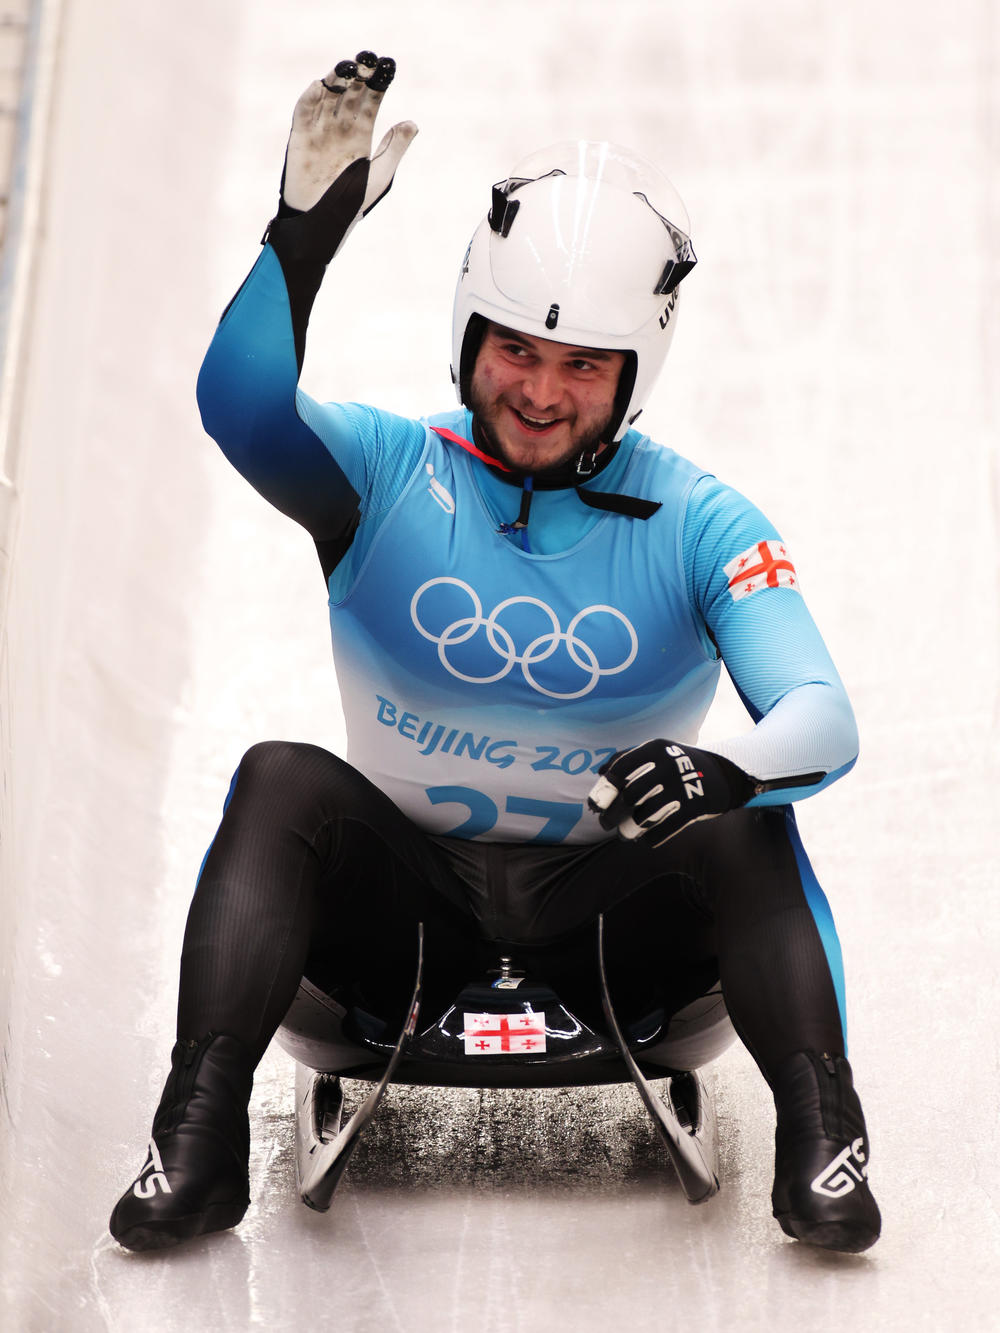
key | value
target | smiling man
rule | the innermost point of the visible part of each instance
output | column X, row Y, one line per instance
column 540, row 403
column 530, row 603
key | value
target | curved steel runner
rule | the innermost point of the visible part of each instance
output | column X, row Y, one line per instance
column 693, row 1148
column 322, row 1147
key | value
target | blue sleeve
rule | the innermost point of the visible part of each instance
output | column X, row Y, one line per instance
column 805, row 735
column 328, row 466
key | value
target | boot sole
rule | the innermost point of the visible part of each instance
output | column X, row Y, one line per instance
column 160, row 1235
column 848, row 1237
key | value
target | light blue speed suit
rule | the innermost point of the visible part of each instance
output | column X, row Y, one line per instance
column 483, row 684
column 536, row 665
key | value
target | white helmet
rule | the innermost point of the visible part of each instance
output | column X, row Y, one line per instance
column 585, row 244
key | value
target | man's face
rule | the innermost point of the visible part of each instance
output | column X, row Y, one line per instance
column 539, row 402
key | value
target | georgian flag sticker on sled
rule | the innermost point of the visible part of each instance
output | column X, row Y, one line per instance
column 504, row 1034
column 763, row 565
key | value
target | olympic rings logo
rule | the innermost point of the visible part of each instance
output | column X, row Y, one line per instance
column 541, row 648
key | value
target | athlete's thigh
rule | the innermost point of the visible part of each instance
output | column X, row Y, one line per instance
column 302, row 811
column 745, row 852
column 573, row 888
column 301, row 817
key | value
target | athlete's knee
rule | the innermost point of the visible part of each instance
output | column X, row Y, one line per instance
column 276, row 761
column 746, row 853
column 741, row 834
column 280, row 777
column 732, row 836
column 294, row 779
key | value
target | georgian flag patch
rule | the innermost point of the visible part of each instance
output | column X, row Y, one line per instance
column 763, row 565
column 507, row 1034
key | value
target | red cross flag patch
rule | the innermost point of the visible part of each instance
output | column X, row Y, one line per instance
column 763, row 565
column 509, row 1034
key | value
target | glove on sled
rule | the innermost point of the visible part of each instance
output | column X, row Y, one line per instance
column 656, row 789
column 329, row 163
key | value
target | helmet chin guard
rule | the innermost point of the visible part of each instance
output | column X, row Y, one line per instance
column 585, row 243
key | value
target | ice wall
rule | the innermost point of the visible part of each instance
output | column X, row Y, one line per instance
column 95, row 640
column 28, row 36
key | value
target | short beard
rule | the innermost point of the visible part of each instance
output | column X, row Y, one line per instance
column 588, row 445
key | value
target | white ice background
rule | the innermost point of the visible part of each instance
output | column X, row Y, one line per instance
column 837, row 358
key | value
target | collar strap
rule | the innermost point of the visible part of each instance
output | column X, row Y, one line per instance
column 562, row 478
column 469, row 447
column 632, row 506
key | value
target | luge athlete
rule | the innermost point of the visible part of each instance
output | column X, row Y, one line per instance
column 530, row 603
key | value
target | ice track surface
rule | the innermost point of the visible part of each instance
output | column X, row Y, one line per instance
column 837, row 358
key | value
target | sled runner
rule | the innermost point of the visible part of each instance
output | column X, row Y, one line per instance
column 509, row 1029
column 322, row 1146
column 685, row 1120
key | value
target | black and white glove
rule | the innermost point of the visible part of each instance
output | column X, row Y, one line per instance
column 656, row 789
column 331, row 173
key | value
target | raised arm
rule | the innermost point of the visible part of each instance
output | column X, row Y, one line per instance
column 312, row 462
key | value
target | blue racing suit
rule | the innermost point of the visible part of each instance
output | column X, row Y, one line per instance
column 485, row 679
column 484, row 684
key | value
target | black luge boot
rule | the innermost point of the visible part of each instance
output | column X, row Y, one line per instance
column 196, row 1175
column 821, row 1193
